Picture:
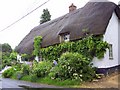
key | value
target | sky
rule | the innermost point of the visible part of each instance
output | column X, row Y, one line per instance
column 12, row 10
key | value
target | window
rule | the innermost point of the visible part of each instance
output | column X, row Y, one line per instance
column 110, row 51
column 66, row 37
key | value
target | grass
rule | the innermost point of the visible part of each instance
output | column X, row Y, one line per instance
column 56, row 82
column 26, row 78
column 67, row 83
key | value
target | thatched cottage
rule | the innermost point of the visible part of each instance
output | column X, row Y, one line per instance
column 99, row 18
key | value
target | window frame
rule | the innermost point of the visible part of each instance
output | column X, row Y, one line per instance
column 63, row 36
column 110, row 51
column 67, row 36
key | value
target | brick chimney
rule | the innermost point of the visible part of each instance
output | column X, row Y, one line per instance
column 72, row 7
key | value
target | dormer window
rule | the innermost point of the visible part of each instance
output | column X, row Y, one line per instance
column 65, row 38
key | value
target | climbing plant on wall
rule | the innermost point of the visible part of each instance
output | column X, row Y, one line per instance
column 37, row 45
column 90, row 46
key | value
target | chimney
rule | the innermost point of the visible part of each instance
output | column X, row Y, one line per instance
column 72, row 7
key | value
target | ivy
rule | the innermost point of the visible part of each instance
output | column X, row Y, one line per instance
column 90, row 47
column 37, row 45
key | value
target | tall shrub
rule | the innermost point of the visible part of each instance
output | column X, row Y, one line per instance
column 73, row 66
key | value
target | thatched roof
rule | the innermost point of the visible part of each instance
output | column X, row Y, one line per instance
column 94, row 17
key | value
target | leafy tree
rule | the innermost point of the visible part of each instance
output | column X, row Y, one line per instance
column 5, row 52
column 45, row 16
column 6, row 48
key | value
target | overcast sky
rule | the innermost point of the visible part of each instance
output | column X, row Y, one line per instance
column 12, row 10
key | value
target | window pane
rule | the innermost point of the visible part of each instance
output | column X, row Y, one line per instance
column 67, row 37
column 110, row 51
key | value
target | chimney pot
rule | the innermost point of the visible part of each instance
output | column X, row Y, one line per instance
column 72, row 7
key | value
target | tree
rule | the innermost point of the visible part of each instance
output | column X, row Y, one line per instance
column 6, row 48
column 45, row 16
column 5, row 52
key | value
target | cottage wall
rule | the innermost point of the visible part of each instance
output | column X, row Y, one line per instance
column 119, row 42
column 111, row 36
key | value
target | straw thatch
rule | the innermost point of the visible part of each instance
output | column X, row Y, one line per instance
column 94, row 17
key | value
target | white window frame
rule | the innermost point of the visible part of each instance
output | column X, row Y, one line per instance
column 110, row 51
column 67, row 37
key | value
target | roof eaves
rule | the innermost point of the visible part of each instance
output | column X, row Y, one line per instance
column 117, row 11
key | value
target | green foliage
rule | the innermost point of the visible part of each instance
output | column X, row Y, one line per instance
column 33, row 78
column 42, row 68
column 13, row 55
column 0, row 67
column 37, row 45
column 101, row 49
column 25, row 69
column 17, row 66
column 26, row 78
column 5, row 55
column 45, row 16
column 6, row 61
column 74, row 61
column 58, row 82
column 91, row 46
column 8, row 73
column 13, row 71
column 73, row 66
column 6, row 48
column 25, row 57
column 18, row 75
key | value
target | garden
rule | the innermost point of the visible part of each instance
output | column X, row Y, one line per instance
column 74, row 62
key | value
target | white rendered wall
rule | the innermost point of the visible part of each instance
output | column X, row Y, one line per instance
column 119, row 42
column 111, row 36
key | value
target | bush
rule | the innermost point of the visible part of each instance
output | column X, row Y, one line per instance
column 8, row 73
column 17, row 67
column 25, row 69
column 18, row 75
column 33, row 78
column 42, row 68
column 73, row 66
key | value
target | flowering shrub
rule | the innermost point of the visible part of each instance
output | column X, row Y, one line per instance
column 73, row 66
